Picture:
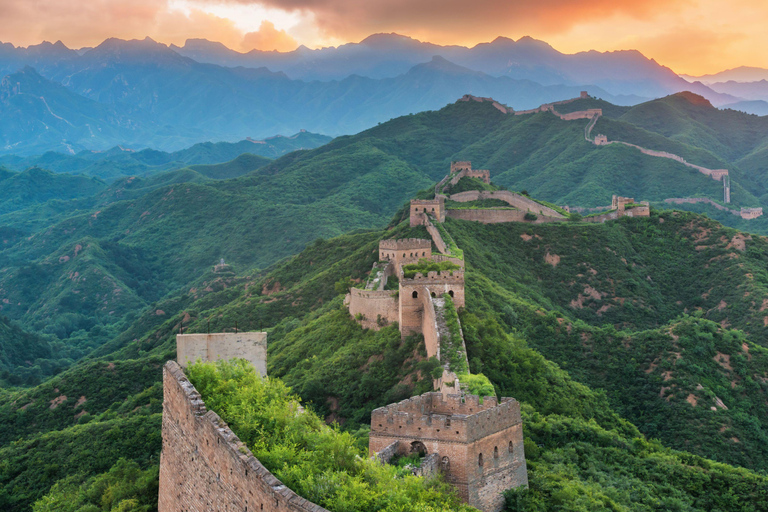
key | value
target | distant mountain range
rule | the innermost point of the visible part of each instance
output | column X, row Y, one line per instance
column 143, row 94
column 120, row 161
column 740, row 74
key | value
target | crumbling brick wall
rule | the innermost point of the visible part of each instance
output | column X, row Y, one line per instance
column 204, row 466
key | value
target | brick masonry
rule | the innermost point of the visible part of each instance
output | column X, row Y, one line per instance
column 205, row 467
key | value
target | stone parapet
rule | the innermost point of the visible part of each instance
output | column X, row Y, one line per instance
column 204, row 466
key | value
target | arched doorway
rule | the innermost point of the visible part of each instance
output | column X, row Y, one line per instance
column 419, row 447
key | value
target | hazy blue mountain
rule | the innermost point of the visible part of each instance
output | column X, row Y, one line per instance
column 121, row 161
column 739, row 74
column 119, row 85
column 757, row 90
column 622, row 73
column 141, row 93
column 39, row 115
column 756, row 107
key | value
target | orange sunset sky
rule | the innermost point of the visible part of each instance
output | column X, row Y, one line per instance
column 690, row 36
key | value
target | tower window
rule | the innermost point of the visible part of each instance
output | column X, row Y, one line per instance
column 415, row 295
column 480, row 460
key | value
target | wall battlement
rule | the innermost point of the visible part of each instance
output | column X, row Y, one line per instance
column 204, row 466
column 375, row 308
column 459, row 166
column 405, row 243
column 434, row 277
column 405, row 250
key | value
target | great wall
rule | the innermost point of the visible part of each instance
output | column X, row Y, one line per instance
column 474, row 443
column 602, row 140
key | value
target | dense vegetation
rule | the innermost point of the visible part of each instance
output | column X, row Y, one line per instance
column 617, row 356
column 323, row 464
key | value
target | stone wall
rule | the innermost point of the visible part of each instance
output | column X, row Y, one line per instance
column 580, row 114
column 517, row 200
column 502, row 108
column 493, row 216
column 449, row 282
column 750, row 213
column 374, row 305
column 637, row 211
column 212, row 347
column 423, row 207
column 429, row 324
column 459, row 166
column 481, row 174
column 204, row 466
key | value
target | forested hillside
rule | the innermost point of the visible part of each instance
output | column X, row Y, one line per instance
column 79, row 267
column 663, row 372
column 593, row 327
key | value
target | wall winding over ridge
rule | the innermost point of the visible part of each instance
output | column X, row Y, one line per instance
column 204, row 466
column 516, row 200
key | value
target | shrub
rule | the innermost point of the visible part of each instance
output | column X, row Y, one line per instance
column 425, row 266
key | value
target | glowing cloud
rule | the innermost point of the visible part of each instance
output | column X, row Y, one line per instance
column 268, row 38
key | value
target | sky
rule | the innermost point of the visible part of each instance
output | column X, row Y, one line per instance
column 689, row 36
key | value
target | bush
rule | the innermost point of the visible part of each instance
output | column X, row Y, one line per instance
column 425, row 266
column 530, row 216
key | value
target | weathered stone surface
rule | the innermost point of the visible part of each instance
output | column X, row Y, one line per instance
column 204, row 467
column 251, row 346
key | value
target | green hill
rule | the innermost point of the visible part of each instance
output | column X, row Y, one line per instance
column 580, row 372
column 618, row 351
column 170, row 228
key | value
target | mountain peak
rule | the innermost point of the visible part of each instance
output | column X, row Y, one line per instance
column 442, row 65
column 693, row 99
column 386, row 41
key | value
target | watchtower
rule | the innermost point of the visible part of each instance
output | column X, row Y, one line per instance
column 459, row 166
column 420, row 208
column 404, row 250
column 480, row 445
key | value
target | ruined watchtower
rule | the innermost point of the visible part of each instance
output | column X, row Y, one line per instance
column 478, row 446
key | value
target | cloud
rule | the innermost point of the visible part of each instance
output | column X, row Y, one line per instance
column 268, row 38
column 683, row 47
column 87, row 23
column 453, row 21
